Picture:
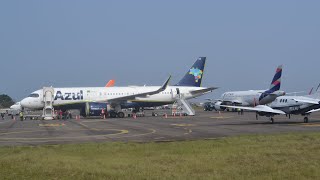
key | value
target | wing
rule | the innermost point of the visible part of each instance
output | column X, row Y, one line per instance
column 309, row 100
column 145, row 94
column 312, row 111
column 259, row 108
column 232, row 102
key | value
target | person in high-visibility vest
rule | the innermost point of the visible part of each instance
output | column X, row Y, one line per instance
column 21, row 116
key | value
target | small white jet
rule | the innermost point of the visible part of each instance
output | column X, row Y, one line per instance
column 296, row 105
column 90, row 100
column 253, row 99
column 17, row 106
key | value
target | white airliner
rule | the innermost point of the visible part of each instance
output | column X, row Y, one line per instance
column 89, row 100
column 252, row 98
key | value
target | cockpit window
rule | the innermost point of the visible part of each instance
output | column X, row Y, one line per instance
column 35, row 95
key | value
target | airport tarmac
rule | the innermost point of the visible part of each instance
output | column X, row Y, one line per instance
column 205, row 125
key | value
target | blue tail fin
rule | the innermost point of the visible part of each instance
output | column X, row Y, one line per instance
column 194, row 76
column 276, row 81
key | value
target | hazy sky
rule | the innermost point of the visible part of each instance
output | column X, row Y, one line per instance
column 86, row 43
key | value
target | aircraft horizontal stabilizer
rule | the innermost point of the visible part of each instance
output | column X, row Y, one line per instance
column 202, row 91
column 259, row 108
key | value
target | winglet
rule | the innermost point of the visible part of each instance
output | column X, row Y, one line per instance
column 165, row 84
column 110, row 83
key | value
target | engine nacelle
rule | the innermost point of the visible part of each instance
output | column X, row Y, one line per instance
column 94, row 109
column 218, row 107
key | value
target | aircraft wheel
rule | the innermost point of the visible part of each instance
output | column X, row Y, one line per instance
column 120, row 114
column 113, row 114
column 272, row 120
column 306, row 119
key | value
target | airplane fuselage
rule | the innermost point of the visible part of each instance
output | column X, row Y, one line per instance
column 70, row 96
column 289, row 105
column 249, row 98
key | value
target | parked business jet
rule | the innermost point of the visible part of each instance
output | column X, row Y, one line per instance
column 288, row 105
column 252, row 98
column 90, row 100
column 297, row 105
column 16, row 106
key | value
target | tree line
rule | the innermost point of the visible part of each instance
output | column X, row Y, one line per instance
column 5, row 101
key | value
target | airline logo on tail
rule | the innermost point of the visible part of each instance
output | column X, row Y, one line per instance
column 197, row 73
column 276, row 81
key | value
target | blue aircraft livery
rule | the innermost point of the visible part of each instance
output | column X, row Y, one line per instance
column 194, row 76
column 69, row 96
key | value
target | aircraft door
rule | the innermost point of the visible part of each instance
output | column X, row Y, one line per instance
column 178, row 92
column 90, row 95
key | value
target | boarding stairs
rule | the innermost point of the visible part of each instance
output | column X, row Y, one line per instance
column 183, row 106
column 48, row 98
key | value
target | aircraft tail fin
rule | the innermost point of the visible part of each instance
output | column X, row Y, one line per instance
column 276, row 81
column 310, row 92
column 110, row 83
column 194, row 76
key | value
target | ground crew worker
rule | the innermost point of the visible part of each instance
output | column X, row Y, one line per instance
column 60, row 114
column 21, row 116
column 102, row 113
column 2, row 116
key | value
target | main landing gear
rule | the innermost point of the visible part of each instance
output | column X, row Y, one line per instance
column 114, row 114
column 272, row 120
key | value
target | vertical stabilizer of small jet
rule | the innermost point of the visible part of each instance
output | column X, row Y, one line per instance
column 310, row 92
column 318, row 87
column 194, row 75
column 276, row 81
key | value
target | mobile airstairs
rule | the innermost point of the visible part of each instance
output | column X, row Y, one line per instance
column 182, row 107
column 48, row 98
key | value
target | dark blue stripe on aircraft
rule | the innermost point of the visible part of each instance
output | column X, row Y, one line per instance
column 277, row 76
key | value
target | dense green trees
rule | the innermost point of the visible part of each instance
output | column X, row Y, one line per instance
column 5, row 101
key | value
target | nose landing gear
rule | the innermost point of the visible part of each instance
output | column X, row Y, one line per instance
column 306, row 119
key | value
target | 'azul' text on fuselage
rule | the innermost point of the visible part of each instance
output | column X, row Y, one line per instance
column 69, row 96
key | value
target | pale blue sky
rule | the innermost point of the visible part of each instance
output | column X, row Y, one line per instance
column 86, row 43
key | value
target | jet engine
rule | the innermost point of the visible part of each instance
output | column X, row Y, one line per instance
column 218, row 107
